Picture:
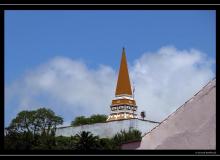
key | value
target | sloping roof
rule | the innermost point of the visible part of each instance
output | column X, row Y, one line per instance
column 123, row 83
column 191, row 126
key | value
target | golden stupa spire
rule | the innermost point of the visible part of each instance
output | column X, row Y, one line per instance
column 123, row 105
column 123, row 85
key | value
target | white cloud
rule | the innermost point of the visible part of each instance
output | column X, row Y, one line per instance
column 166, row 79
column 163, row 81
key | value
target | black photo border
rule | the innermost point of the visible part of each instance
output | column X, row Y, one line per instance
column 5, row 7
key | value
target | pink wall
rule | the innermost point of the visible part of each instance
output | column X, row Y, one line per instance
column 192, row 126
column 130, row 145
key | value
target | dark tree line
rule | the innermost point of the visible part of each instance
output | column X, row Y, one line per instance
column 35, row 130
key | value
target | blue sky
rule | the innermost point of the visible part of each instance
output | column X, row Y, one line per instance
column 97, row 37
column 32, row 37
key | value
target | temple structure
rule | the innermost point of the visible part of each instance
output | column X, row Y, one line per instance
column 123, row 112
column 123, row 106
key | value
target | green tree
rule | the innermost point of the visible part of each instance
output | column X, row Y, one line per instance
column 18, row 141
column 107, row 144
column 47, row 121
column 124, row 137
column 22, row 123
column 33, row 129
column 97, row 118
column 86, row 141
column 82, row 120
column 64, row 143
column 41, row 121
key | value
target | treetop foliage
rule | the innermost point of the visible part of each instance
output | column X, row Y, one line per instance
column 40, row 121
column 82, row 120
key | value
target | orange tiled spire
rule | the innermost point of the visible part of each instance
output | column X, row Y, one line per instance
column 123, row 106
column 123, row 84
